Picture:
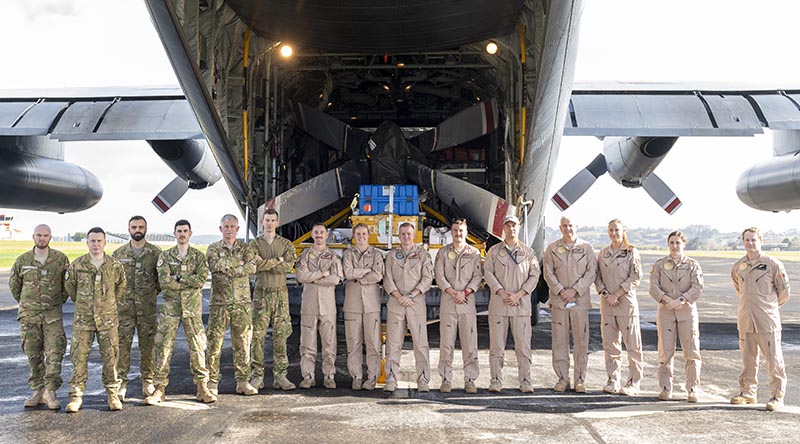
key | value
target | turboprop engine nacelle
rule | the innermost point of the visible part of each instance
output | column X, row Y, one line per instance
column 772, row 185
column 37, row 183
column 630, row 160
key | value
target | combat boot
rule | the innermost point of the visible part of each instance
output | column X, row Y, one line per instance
column 279, row 382
column 35, row 399
column 148, row 389
column 50, row 399
column 495, row 385
column 159, row 395
column 423, row 386
column 203, row 394
column 213, row 387
column 245, row 388
column 446, row 386
column 75, row 403
column 329, row 382
column 470, row 387
column 390, row 386
column 525, row 386
column 369, row 384
column 307, row 383
column 561, row 386
column 114, row 403
column 258, row 382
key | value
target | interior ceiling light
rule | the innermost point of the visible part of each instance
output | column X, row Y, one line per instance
column 491, row 47
column 286, row 51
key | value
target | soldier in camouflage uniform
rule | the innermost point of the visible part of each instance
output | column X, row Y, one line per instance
column 137, row 306
column 182, row 272
column 276, row 257
column 94, row 281
column 36, row 283
column 231, row 262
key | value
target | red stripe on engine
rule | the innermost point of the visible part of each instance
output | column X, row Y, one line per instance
column 489, row 112
column 500, row 211
column 560, row 202
column 160, row 204
column 672, row 205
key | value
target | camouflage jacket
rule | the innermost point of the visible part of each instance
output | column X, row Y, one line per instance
column 230, row 272
column 185, row 295
column 271, row 271
column 95, row 292
column 140, row 273
column 38, row 287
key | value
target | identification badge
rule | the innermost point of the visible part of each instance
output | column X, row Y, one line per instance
column 562, row 250
column 184, row 268
column 451, row 255
column 743, row 266
column 138, row 265
column 668, row 265
column 44, row 272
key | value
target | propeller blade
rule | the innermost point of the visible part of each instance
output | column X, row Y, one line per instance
column 661, row 193
column 580, row 183
column 317, row 193
column 481, row 207
column 171, row 194
column 469, row 124
column 330, row 131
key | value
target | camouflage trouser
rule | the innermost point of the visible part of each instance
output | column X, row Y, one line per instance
column 165, row 342
column 44, row 344
column 271, row 304
column 146, row 324
column 241, row 322
column 108, row 341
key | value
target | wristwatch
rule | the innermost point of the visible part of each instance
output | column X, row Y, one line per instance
column 682, row 299
column 411, row 295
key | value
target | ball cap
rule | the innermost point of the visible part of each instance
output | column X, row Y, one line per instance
column 511, row 218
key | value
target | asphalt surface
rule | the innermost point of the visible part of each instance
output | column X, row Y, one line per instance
column 343, row 415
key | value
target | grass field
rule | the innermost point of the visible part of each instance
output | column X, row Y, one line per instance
column 10, row 250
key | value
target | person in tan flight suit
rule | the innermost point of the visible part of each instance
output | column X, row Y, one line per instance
column 511, row 271
column 569, row 267
column 619, row 270
column 676, row 282
column 319, row 270
column 363, row 270
column 276, row 257
column 458, row 275
column 762, row 287
column 408, row 277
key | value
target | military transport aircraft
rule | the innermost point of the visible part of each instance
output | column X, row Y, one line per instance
column 386, row 94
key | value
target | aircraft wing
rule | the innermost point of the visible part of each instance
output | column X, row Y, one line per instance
column 663, row 110
column 99, row 114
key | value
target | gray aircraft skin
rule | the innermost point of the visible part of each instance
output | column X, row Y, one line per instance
column 479, row 132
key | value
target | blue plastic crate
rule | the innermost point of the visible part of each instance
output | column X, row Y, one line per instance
column 374, row 199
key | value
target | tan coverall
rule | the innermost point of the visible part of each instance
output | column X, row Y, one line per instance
column 406, row 273
column 620, row 269
column 318, row 307
column 671, row 280
column 510, row 269
column 570, row 266
column 459, row 271
column 362, row 310
column 762, row 287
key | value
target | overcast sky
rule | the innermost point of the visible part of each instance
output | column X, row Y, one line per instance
column 52, row 44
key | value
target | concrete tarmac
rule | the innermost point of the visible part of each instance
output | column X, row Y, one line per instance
column 346, row 416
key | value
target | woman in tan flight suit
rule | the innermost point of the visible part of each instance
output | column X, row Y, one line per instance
column 619, row 270
column 676, row 282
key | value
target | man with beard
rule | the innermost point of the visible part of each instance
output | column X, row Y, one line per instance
column 36, row 283
column 137, row 306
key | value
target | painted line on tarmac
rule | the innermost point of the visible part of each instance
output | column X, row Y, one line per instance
column 663, row 407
